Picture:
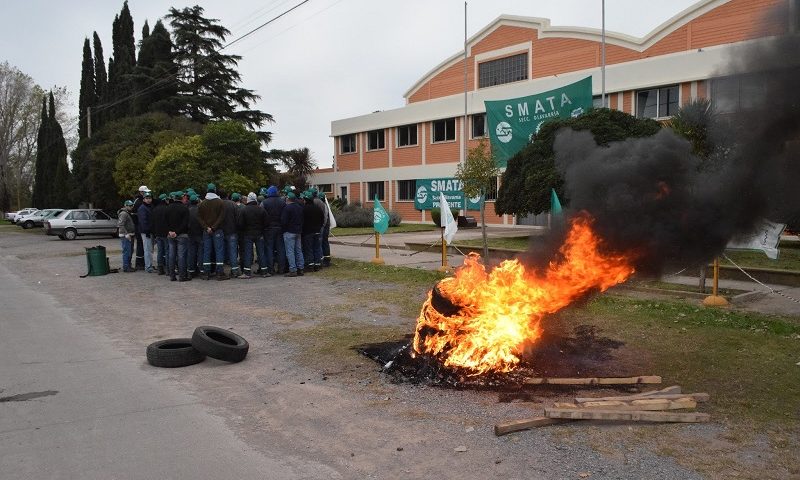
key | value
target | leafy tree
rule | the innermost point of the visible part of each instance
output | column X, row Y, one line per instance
column 51, row 185
column 178, row 164
column 88, row 93
column 40, row 184
column 231, row 181
column 208, row 79
column 531, row 173
column 477, row 174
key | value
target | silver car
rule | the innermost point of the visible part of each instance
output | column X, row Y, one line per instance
column 36, row 219
column 70, row 224
column 14, row 216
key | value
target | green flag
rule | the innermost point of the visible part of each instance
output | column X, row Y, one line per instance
column 380, row 219
column 555, row 204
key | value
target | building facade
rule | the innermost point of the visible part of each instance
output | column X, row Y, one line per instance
column 385, row 152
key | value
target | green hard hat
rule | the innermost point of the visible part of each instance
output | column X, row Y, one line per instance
column 128, row 203
column 235, row 196
column 163, row 196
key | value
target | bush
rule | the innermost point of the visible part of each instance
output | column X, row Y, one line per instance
column 436, row 215
column 354, row 215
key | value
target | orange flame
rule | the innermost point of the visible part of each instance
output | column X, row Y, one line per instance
column 501, row 310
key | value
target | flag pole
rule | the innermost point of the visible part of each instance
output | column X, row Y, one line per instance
column 603, row 61
column 377, row 260
column 445, row 267
column 715, row 300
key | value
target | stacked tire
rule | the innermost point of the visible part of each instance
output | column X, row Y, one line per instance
column 206, row 341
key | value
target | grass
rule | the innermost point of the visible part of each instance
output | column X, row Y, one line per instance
column 352, row 270
column 789, row 258
column 402, row 228
column 727, row 292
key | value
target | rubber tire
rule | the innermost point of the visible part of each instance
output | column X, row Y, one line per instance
column 220, row 344
column 443, row 304
column 27, row 225
column 173, row 353
column 70, row 234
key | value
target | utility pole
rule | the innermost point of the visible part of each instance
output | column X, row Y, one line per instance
column 89, row 122
column 603, row 55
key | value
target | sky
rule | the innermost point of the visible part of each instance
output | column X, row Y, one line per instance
column 324, row 61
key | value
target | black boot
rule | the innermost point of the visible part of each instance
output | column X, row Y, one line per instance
column 300, row 272
column 161, row 270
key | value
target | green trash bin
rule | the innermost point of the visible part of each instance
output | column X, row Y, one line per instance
column 96, row 261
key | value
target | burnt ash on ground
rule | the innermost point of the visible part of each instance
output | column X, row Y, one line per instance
column 581, row 353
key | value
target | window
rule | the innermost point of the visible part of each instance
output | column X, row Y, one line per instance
column 325, row 187
column 376, row 140
column 444, row 130
column 734, row 94
column 406, row 190
column 348, row 143
column 657, row 102
column 597, row 101
column 479, row 125
column 78, row 215
column 491, row 194
column 503, row 70
column 407, row 135
column 98, row 215
column 374, row 188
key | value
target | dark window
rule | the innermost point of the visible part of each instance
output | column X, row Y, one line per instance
column 597, row 101
column 375, row 188
column 503, row 70
column 479, row 125
column 657, row 102
column 406, row 189
column 348, row 143
column 734, row 94
column 325, row 187
column 376, row 140
column 98, row 215
column 444, row 130
column 407, row 135
column 79, row 215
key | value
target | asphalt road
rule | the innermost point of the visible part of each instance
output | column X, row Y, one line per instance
column 73, row 407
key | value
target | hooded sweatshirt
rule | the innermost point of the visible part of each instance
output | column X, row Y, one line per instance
column 211, row 212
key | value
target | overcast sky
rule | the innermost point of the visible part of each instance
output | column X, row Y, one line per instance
column 327, row 60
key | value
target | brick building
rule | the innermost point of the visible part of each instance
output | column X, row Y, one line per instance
column 682, row 59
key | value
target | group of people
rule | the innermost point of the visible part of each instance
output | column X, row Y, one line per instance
column 194, row 237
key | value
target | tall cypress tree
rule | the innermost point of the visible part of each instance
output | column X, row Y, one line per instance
column 39, row 179
column 58, row 191
column 121, row 81
column 101, row 81
column 88, row 93
column 155, row 73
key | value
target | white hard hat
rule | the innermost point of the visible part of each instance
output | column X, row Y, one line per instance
column 144, row 188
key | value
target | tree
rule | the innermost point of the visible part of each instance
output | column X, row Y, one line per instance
column 41, row 182
column 88, row 93
column 179, row 164
column 299, row 163
column 531, row 173
column 101, row 81
column 155, row 72
column 120, row 72
column 208, row 80
column 19, row 111
column 477, row 174
column 58, row 191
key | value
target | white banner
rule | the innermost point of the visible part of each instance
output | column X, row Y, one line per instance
column 766, row 238
column 448, row 222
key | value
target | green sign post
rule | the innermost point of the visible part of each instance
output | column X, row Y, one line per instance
column 513, row 122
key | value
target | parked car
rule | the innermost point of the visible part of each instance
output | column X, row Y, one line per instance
column 13, row 216
column 70, row 224
column 37, row 218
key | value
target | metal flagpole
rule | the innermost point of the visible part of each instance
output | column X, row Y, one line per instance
column 466, row 127
column 603, row 54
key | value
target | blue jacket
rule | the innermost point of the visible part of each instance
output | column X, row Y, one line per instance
column 292, row 218
column 145, row 222
column 274, row 206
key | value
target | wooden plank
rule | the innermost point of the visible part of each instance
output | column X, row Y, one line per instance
column 524, row 424
column 648, row 379
column 697, row 397
column 672, row 389
column 627, row 416
column 652, row 404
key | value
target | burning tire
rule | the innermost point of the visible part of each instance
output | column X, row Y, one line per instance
column 441, row 303
column 220, row 344
column 173, row 353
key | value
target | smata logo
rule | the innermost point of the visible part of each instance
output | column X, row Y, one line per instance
column 377, row 216
column 476, row 198
column 503, row 132
column 422, row 194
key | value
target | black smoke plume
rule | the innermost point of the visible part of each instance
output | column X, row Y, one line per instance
column 653, row 197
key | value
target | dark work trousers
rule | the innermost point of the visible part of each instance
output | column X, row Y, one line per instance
column 326, row 246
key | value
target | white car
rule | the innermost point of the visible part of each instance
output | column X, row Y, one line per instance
column 37, row 218
column 13, row 216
